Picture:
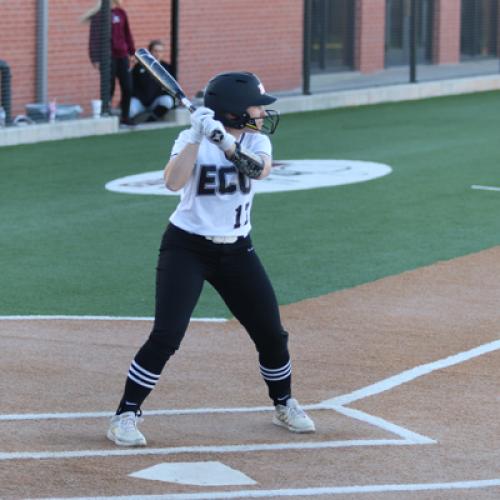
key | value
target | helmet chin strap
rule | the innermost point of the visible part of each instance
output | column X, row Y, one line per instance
column 235, row 121
column 269, row 121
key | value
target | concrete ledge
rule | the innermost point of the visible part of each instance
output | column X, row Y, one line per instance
column 285, row 104
column 373, row 95
column 26, row 134
column 390, row 93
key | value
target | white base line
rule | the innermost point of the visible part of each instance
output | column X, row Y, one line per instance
column 485, row 188
column 99, row 318
column 412, row 374
column 305, row 492
column 236, row 448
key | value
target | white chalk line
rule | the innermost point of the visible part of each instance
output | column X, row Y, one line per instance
column 337, row 404
column 412, row 374
column 334, row 404
column 304, row 492
column 236, row 448
column 408, row 436
column 107, row 414
column 97, row 318
column 485, row 188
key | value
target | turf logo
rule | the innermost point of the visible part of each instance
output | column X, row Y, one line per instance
column 286, row 175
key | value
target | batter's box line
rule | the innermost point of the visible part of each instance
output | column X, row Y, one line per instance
column 338, row 404
column 408, row 438
column 211, row 449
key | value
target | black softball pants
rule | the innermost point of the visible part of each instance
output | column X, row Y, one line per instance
column 185, row 262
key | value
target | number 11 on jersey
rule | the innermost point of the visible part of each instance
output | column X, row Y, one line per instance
column 239, row 210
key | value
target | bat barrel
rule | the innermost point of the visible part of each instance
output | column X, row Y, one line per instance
column 164, row 78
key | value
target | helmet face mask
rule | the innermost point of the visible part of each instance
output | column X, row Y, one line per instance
column 229, row 95
column 268, row 123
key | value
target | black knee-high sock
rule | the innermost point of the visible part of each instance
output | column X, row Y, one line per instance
column 143, row 375
column 133, row 397
column 279, row 381
column 140, row 382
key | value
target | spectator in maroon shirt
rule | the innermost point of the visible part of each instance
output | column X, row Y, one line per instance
column 122, row 49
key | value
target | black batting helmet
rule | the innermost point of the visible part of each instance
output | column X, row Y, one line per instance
column 230, row 94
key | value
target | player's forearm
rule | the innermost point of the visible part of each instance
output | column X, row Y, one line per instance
column 267, row 167
column 179, row 169
column 255, row 166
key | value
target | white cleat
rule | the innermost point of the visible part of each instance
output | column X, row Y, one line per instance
column 123, row 430
column 293, row 417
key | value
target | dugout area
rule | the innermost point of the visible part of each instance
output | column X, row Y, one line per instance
column 412, row 359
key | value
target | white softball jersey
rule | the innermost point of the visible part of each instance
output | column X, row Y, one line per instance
column 217, row 199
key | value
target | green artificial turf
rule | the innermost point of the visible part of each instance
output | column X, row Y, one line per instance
column 68, row 246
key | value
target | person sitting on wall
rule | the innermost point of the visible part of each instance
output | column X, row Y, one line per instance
column 149, row 100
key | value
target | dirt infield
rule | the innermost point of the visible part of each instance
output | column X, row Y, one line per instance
column 401, row 376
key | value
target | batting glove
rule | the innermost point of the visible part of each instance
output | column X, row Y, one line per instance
column 197, row 119
column 216, row 133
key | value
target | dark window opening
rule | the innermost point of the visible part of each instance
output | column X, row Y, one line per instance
column 397, row 31
column 332, row 35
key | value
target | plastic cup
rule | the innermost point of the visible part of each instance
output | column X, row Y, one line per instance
column 96, row 107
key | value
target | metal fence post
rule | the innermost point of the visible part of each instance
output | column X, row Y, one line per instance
column 105, row 54
column 413, row 41
column 5, row 85
column 174, row 36
column 42, row 46
column 306, row 59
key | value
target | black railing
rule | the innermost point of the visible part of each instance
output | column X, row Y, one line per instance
column 105, row 55
column 5, row 96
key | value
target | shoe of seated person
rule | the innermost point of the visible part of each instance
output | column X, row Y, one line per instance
column 123, row 430
column 292, row 417
column 127, row 122
column 141, row 117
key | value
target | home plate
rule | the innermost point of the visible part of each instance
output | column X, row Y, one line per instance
column 194, row 473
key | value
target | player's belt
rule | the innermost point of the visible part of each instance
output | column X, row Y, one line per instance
column 222, row 239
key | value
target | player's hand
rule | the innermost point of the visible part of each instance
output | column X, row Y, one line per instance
column 197, row 124
column 216, row 133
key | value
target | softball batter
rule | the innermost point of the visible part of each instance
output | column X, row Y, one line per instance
column 215, row 163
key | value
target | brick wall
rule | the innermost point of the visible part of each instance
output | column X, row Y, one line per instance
column 447, row 31
column 214, row 36
column 370, row 35
column 17, row 48
column 71, row 77
column 261, row 36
